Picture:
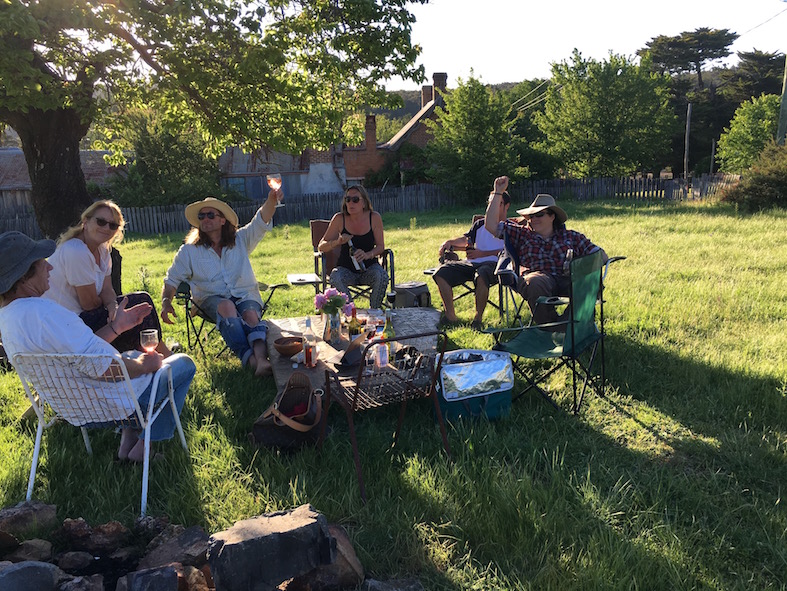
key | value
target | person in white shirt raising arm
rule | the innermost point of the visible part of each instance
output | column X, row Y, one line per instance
column 214, row 260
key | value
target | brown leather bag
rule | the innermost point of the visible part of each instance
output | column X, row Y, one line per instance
column 293, row 419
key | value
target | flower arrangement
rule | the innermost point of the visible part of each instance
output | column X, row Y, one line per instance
column 332, row 301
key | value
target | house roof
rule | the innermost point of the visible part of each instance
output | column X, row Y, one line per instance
column 396, row 141
column 14, row 175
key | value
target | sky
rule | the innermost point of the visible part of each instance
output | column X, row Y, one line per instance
column 515, row 40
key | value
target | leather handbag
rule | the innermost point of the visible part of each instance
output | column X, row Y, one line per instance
column 293, row 419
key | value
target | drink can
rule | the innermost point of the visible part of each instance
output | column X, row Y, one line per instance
column 381, row 355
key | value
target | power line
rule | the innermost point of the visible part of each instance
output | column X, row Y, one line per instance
column 762, row 23
column 529, row 93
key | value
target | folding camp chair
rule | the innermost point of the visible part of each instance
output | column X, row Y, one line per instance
column 575, row 342
column 90, row 391
column 196, row 317
column 324, row 262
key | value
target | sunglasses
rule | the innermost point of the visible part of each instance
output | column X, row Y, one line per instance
column 102, row 222
column 540, row 214
column 353, row 199
column 208, row 214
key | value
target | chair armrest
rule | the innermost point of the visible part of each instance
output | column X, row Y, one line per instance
column 609, row 263
column 553, row 300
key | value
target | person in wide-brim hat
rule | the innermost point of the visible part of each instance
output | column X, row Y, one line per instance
column 18, row 252
column 540, row 203
column 193, row 209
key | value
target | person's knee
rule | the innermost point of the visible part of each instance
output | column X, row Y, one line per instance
column 226, row 309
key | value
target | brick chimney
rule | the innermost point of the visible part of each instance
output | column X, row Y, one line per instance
column 370, row 133
column 426, row 94
column 439, row 79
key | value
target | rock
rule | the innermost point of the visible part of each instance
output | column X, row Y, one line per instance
column 205, row 570
column 8, row 542
column 154, row 579
column 262, row 552
column 392, row 585
column 91, row 583
column 75, row 561
column 168, row 533
column 31, row 576
column 32, row 550
column 149, row 527
column 27, row 517
column 107, row 538
column 125, row 554
column 195, row 580
column 74, row 533
column 345, row 572
column 188, row 548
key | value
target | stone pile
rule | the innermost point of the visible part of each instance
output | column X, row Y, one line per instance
column 293, row 550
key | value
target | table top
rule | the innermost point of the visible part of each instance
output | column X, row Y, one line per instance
column 405, row 320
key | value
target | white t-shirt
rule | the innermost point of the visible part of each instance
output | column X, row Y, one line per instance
column 39, row 325
column 73, row 265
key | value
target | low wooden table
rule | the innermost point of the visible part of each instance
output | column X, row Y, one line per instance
column 405, row 320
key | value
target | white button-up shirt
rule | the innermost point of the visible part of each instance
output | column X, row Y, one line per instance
column 228, row 275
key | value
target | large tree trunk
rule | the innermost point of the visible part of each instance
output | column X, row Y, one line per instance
column 50, row 142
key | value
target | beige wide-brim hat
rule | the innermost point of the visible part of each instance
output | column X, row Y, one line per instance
column 192, row 209
column 542, row 202
column 17, row 252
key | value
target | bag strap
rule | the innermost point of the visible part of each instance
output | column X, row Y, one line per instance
column 303, row 427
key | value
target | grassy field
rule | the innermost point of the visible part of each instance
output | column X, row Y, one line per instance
column 672, row 481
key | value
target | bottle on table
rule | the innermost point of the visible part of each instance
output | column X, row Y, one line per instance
column 309, row 345
column 359, row 265
column 354, row 326
column 388, row 333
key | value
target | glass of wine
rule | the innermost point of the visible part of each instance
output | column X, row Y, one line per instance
column 274, row 182
column 148, row 338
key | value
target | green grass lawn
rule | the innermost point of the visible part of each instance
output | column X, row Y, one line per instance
column 672, row 481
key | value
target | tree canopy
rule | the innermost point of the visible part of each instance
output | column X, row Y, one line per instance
column 471, row 144
column 276, row 73
column 751, row 129
column 607, row 118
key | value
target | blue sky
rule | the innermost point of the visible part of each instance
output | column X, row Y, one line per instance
column 515, row 40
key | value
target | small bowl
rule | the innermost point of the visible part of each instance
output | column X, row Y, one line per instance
column 288, row 346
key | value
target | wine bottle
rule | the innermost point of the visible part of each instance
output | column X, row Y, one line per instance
column 354, row 326
column 388, row 333
column 359, row 265
column 309, row 345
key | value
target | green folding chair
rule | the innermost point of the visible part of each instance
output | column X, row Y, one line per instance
column 575, row 342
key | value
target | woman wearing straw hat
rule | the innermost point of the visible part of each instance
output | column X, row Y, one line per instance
column 543, row 246
column 214, row 260
column 33, row 324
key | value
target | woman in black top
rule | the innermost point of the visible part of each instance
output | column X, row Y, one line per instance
column 359, row 223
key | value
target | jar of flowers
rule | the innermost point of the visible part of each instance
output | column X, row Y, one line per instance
column 331, row 302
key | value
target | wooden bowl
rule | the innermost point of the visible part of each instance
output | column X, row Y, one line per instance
column 288, row 346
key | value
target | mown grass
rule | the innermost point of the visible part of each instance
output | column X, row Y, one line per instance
column 672, row 481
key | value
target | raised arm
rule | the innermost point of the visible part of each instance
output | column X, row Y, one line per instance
column 492, row 218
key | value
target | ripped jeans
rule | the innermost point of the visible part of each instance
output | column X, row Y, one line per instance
column 239, row 336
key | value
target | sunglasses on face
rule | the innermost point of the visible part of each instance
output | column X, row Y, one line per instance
column 208, row 214
column 352, row 199
column 540, row 214
column 102, row 222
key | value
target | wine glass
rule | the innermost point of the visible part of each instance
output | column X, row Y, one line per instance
column 148, row 338
column 274, row 182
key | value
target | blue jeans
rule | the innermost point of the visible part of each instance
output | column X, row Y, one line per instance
column 183, row 370
column 239, row 336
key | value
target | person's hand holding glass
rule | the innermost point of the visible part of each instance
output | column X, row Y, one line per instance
column 274, row 182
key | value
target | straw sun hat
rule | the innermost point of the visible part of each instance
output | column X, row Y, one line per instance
column 192, row 209
column 542, row 202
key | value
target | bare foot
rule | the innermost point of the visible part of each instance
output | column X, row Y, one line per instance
column 137, row 453
column 128, row 440
column 251, row 363
column 264, row 368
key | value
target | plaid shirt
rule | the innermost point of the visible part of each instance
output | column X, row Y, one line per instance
column 547, row 255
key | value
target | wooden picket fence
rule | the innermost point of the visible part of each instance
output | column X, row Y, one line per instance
column 417, row 198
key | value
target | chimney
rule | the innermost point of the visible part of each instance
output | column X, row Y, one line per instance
column 439, row 80
column 371, row 132
column 426, row 95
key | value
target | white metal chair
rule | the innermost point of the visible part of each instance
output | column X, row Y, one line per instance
column 90, row 391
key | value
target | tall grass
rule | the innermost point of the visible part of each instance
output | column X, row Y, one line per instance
column 672, row 481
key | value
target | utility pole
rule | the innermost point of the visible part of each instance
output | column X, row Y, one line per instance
column 783, row 109
column 686, row 145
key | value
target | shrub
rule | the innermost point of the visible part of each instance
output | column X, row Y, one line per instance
column 765, row 184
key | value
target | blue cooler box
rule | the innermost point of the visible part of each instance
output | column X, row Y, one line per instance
column 475, row 383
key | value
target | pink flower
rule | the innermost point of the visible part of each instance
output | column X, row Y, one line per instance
column 319, row 301
column 330, row 292
column 348, row 308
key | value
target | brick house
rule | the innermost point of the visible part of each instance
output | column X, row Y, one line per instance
column 329, row 171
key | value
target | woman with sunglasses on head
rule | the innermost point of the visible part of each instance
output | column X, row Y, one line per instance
column 362, row 227
column 543, row 246
column 81, row 277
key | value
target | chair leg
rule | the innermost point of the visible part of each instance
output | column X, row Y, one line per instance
column 86, row 439
column 441, row 422
column 356, row 455
column 145, row 473
column 36, row 451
